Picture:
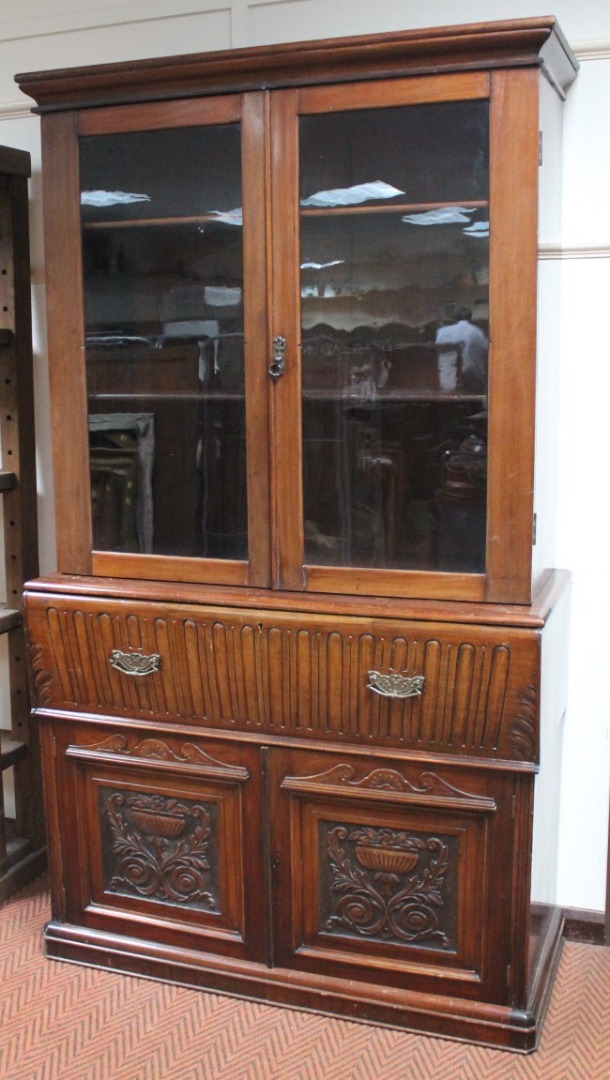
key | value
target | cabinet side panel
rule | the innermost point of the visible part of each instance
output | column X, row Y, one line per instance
column 61, row 199
column 549, row 299
column 548, row 782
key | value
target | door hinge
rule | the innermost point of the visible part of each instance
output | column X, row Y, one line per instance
column 513, row 809
column 534, row 529
column 540, row 148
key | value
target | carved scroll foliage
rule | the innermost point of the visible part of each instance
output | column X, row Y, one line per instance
column 429, row 788
column 387, row 889
column 160, row 751
column 160, row 848
column 522, row 730
column 157, row 750
column 41, row 677
column 113, row 744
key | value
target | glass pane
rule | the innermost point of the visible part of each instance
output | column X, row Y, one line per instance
column 395, row 330
column 163, row 272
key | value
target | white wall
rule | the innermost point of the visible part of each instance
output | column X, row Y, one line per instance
column 42, row 34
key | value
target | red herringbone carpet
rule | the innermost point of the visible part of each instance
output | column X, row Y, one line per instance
column 62, row 1022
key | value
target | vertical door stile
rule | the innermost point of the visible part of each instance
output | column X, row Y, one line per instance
column 269, row 858
column 285, row 391
column 65, row 339
column 256, row 269
column 512, row 380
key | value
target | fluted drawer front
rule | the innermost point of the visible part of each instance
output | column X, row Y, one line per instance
column 475, row 687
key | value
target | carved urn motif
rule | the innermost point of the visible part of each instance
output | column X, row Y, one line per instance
column 158, row 822
column 387, row 860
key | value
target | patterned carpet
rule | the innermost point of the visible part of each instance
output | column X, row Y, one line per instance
column 62, row 1022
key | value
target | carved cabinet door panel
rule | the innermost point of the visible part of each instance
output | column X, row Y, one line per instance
column 395, row 872
column 162, row 837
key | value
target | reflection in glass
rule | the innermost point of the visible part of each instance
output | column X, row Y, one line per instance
column 394, row 312
column 163, row 271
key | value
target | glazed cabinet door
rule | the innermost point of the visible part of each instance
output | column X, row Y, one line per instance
column 404, row 277
column 303, row 350
column 397, row 873
column 159, row 836
column 159, row 357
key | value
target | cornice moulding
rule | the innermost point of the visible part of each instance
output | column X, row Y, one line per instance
column 109, row 15
column 555, row 252
column 15, row 110
column 104, row 16
column 592, row 50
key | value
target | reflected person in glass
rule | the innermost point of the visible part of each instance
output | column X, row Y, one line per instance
column 462, row 352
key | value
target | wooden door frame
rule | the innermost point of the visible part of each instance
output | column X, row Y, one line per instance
column 60, row 134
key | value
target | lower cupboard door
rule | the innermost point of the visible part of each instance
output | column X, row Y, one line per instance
column 161, row 838
column 397, row 873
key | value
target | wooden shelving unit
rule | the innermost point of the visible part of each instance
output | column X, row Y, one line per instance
column 22, row 851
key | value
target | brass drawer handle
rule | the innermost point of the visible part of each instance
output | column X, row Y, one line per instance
column 134, row 663
column 396, row 686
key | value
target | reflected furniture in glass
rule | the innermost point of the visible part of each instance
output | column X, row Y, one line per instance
column 299, row 666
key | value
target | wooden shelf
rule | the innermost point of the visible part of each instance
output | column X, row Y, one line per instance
column 7, row 480
column 9, row 618
column 383, row 397
column 306, row 211
column 214, row 395
column 391, row 208
column 16, row 849
column 11, row 752
column 147, row 223
column 389, row 396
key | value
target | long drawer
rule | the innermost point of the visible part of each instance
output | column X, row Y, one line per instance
column 435, row 687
